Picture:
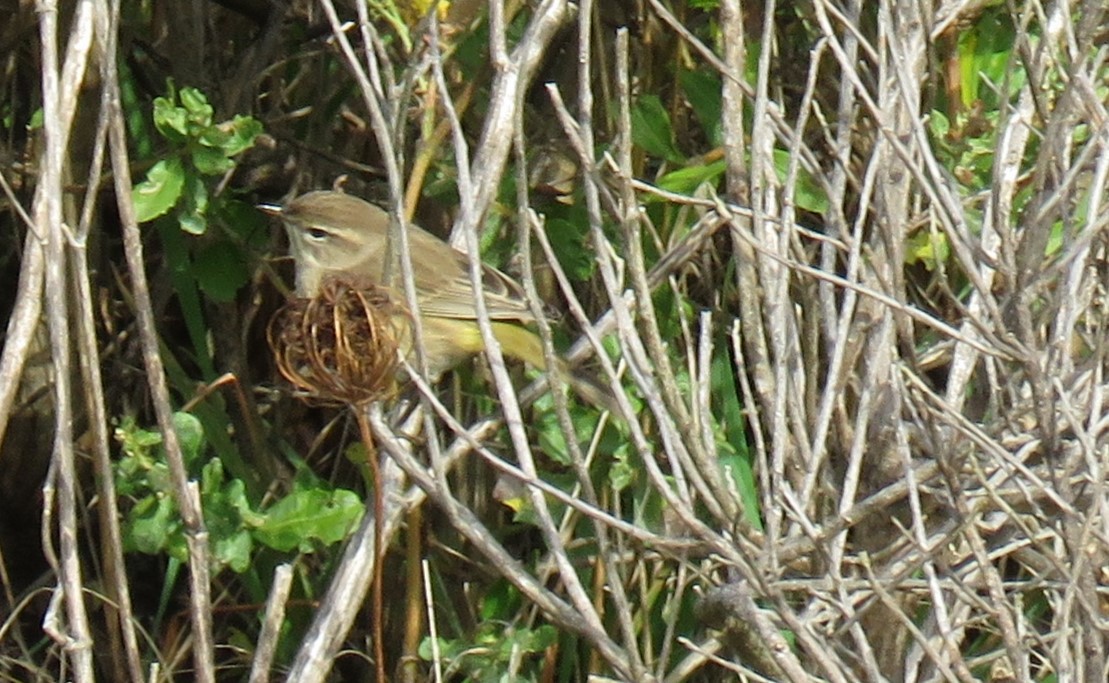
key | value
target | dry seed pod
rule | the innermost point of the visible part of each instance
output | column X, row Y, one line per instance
column 341, row 345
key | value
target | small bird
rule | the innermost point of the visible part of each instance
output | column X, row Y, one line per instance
column 332, row 234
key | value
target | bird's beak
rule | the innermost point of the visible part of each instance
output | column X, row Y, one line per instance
column 270, row 209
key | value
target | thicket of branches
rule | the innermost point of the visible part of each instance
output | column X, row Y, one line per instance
column 842, row 265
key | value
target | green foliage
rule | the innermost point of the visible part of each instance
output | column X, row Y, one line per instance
column 687, row 180
column 305, row 517
column 311, row 516
column 220, row 271
column 990, row 72
column 967, row 145
column 985, row 54
column 551, row 439
column 703, row 92
column 199, row 148
column 492, row 651
column 499, row 647
column 653, row 133
column 651, row 129
column 928, row 248
column 178, row 196
column 160, row 191
column 966, row 141
column 570, row 240
column 623, row 472
column 731, row 440
column 807, row 192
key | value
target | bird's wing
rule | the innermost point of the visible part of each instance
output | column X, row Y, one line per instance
column 452, row 296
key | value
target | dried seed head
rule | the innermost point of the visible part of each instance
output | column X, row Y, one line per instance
column 340, row 345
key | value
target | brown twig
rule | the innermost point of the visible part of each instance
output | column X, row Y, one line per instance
column 196, row 536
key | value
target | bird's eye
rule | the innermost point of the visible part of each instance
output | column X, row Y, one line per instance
column 317, row 233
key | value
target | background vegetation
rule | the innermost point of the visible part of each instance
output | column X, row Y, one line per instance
column 843, row 265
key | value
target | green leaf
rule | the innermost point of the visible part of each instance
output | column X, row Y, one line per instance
column 180, row 270
column 170, row 120
column 730, row 433
column 220, row 270
column 500, row 601
column 539, row 639
column 928, row 248
column 228, row 517
column 243, row 131
column 153, row 525
column 246, row 222
column 214, row 137
column 160, row 191
column 191, row 223
column 190, row 434
column 210, row 160
column 551, row 439
column 211, row 479
column 651, row 129
column 968, row 67
column 569, row 241
column 687, row 180
column 447, row 649
column 808, row 194
column 994, row 37
column 136, row 442
column 139, row 131
column 193, row 217
column 703, row 90
column 304, row 516
column 621, row 473
column 234, row 550
column 939, row 124
column 198, row 110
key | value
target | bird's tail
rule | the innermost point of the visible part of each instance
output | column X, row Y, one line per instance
column 523, row 344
